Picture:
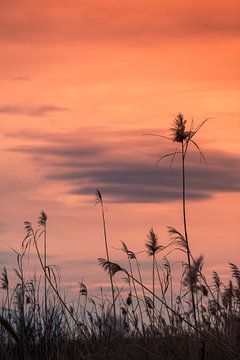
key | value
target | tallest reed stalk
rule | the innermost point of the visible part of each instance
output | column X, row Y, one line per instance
column 183, row 151
column 183, row 137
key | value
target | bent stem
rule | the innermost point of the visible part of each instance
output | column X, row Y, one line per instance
column 100, row 200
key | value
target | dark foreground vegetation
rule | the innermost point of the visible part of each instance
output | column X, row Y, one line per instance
column 195, row 319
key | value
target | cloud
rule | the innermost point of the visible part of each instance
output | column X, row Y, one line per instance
column 21, row 78
column 123, row 168
column 37, row 111
column 128, row 182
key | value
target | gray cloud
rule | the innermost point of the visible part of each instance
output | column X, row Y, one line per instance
column 125, row 171
column 36, row 111
column 144, row 183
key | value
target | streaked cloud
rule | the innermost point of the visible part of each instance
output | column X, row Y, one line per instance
column 124, row 168
column 35, row 111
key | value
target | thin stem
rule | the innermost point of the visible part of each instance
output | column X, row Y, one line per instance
column 62, row 302
column 136, row 295
column 143, row 290
column 52, row 285
column 162, row 291
column 107, row 254
column 45, row 293
column 153, row 287
column 184, row 151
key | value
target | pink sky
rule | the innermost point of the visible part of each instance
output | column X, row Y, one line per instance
column 82, row 82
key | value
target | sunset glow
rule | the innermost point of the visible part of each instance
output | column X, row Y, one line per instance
column 83, row 82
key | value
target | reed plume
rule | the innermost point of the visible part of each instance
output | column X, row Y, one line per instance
column 152, row 248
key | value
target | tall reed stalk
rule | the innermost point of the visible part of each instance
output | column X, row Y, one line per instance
column 183, row 155
column 182, row 136
column 99, row 200
column 43, row 224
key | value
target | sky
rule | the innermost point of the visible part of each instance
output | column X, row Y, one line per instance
column 82, row 83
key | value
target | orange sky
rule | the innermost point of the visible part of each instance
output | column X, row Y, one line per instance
column 82, row 81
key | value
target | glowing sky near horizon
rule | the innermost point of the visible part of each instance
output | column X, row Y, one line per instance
column 82, row 82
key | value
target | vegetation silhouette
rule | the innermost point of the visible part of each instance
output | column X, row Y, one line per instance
column 200, row 321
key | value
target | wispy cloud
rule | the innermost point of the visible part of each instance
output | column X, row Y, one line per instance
column 21, row 78
column 35, row 111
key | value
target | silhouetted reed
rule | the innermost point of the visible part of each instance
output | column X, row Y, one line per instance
column 182, row 136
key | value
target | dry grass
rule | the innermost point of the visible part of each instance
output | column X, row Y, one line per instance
column 151, row 323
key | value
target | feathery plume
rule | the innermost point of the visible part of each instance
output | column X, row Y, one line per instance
column 109, row 266
column 152, row 243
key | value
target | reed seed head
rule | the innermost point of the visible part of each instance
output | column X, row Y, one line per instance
column 110, row 267
column 4, row 279
column 83, row 289
column 42, row 219
column 130, row 254
column 99, row 198
column 152, row 243
column 179, row 132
